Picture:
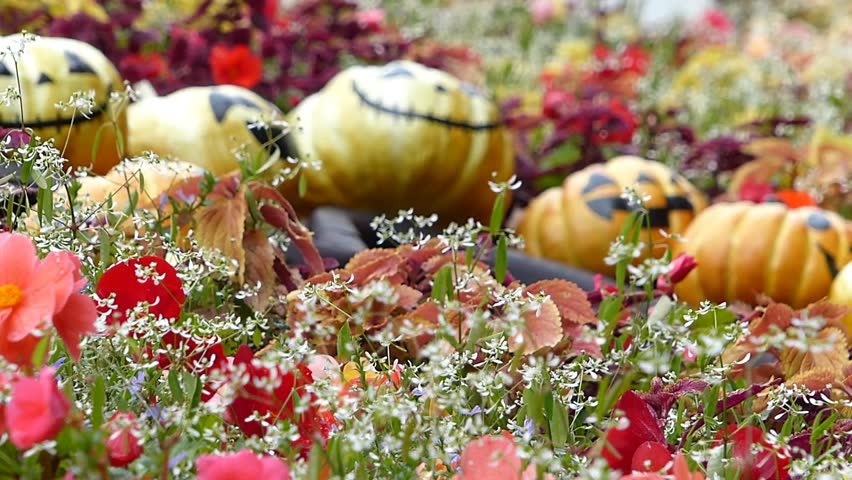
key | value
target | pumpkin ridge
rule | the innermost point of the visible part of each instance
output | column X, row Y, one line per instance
column 769, row 284
column 564, row 210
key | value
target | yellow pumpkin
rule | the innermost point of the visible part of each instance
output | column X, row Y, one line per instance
column 400, row 136
column 745, row 249
column 576, row 222
column 204, row 126
column 841, row 293
column 50, row 70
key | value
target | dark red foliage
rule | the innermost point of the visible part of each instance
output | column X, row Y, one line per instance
column 764, row 464
column 306, row 44
column 642, row 426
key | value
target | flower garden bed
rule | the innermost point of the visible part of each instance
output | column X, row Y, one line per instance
column 438, row 240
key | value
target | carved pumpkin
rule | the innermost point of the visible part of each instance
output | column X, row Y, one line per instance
column 51, row 70
column 401, row 136
column 745, row 249
column 204, row 126
column 575, row 223
column 841, row 294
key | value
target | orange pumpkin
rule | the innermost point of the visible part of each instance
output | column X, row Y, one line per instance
column 576, row 222
column 745, row 249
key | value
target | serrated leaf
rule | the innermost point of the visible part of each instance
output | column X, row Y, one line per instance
column 259, row 261
column 221, row 224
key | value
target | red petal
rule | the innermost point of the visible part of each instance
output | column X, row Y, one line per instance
column 651, row 457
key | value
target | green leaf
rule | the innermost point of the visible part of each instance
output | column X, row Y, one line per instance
column 106, row 248
column 45, row 204
column 716, row 320
column 40, row 352
column 315, row 463
column 96, row 144
column 303, row 185
column 501, row 260
column 559, row 425
column 198, row 387
column 497, row 214
column 442, row 286
column 174, row 385
column 565, row 154
column 534, row 402
column 344, row 343
column 98, row 401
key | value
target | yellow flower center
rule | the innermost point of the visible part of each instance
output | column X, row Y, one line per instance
column 10, row 295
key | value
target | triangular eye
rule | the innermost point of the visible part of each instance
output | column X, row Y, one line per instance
column 43, row 78
column 220, row 103
column 4, row 70
column 76, row 64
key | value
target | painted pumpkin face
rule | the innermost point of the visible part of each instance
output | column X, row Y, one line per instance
column 576, row 223
column 744, row 249
column 204, row 126
column 402, row 136
column 50, row 71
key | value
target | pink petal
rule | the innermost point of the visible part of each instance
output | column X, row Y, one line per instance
column 58, row 269
column 274, row 468
column 76, row 320
column 18, row 259
column 32, row 314
column 37, row 411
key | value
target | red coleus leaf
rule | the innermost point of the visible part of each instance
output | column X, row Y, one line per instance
column 639, row 424
column 753, row 456
column 651, row 457
column 147, row 279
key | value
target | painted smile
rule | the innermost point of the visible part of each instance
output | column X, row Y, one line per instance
column 396, row 112
column 78, row 118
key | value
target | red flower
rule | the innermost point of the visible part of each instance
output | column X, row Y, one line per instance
column 136, row 67
column 123, row 445
column 243, row 464
column 641, row 426
column 37, row 411
column 792, row 199
column 235, row 66
column 756, row 192
column 611, row 123
column 147, row 279
column 556, row 104
column 765, row 464
column 679, row 268
column 279, row 403
column 209, row 354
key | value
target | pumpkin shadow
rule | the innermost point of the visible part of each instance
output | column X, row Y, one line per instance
column 341, row 233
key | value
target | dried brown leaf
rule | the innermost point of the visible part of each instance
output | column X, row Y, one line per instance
column 221, row 224
column 259, row 258
column 542, row 329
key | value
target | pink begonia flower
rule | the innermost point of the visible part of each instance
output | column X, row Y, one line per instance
column 542, row 11
column 373, row 19
column 122, row 445
column 37, row 410
column 494, row 457
column 35, row 293
column 243, row 464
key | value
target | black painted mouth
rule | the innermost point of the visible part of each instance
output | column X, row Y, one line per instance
column 61, row 122
column 396, row 112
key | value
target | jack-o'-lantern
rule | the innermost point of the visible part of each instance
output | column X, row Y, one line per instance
column 576, row 222
column 204, row 126
column 50, row 70
column 745, row 249
column 401, row 136
column 841, row 293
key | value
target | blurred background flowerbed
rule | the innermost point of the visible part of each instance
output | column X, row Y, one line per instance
column 704, row 88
